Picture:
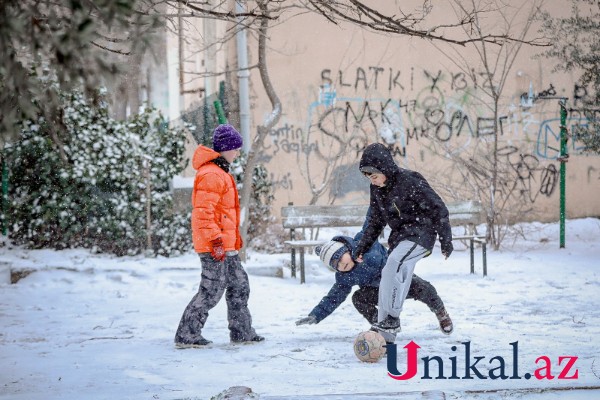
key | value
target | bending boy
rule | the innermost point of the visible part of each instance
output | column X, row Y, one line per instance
column 336, row 254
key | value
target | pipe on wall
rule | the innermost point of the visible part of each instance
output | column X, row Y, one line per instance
column 243, row 78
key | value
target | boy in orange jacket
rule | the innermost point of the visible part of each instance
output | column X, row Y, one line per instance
column 217, row 240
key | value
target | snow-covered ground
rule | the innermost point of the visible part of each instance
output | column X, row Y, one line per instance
column 90, row 326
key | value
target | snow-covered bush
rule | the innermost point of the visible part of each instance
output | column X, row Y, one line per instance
column 104, row 184
column 262, row 195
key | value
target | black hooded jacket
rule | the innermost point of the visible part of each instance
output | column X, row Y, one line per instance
column 406, row 203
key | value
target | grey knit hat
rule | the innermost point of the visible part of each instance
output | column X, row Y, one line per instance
column 331, row 252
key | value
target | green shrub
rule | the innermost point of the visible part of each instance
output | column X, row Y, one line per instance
column 261, row 196
column 91, row 188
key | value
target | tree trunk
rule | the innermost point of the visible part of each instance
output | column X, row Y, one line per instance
column 261, row 130
column 494, row 237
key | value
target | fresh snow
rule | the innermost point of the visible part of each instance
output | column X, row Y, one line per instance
column 88, row 326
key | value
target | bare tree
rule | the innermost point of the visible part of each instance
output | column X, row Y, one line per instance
column 490, row 178
column 397, row 20
column 269, row 123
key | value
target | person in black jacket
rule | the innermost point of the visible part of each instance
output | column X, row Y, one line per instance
column 336, row 254
column 415, row 213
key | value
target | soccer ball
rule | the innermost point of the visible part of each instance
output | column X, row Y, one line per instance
column 369, row 346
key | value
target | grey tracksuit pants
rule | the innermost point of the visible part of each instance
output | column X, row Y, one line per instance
column 217, row 278
column 365, row 299
column 396, row 277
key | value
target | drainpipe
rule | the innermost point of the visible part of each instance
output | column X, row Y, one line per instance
column 180, row 59
column 243, row 79
column 4, row 195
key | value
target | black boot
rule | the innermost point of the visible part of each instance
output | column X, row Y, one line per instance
column 256, row 338
column 389, row 324
column 200, row 342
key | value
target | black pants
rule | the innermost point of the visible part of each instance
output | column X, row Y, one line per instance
column 365, row 299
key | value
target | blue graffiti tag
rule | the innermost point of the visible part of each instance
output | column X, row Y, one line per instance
column 548, row 143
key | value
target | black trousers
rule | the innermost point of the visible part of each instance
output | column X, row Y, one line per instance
column 365, row 299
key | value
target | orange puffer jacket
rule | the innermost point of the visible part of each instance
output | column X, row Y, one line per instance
column 215, row 204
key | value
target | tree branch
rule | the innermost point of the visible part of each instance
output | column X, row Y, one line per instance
column 359, row 13
column 229, row 15
column 124, row 53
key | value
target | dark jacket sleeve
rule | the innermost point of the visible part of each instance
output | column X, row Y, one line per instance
column 374, row 224
column 336, row 296
column 434, row 206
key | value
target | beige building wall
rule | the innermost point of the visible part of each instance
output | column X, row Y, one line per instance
column 343, row 88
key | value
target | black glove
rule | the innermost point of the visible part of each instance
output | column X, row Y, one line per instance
column 357, row 253
column 310, row 320
column 447, row 249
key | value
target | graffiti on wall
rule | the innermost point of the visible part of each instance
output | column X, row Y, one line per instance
column 548, row 142
column 532, row 178
column 422, row 107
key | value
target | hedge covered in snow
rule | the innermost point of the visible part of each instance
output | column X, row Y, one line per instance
column 100, row 184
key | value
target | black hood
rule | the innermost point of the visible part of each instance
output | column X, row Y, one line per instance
column 378, row 156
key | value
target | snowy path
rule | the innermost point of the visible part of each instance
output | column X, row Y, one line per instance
column 96, row 327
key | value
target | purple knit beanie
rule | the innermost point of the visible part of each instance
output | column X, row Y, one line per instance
column 225, row 138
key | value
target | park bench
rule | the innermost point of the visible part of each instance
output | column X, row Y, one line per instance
column 464, row 213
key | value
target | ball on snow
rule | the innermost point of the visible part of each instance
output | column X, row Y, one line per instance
column 369, row 346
